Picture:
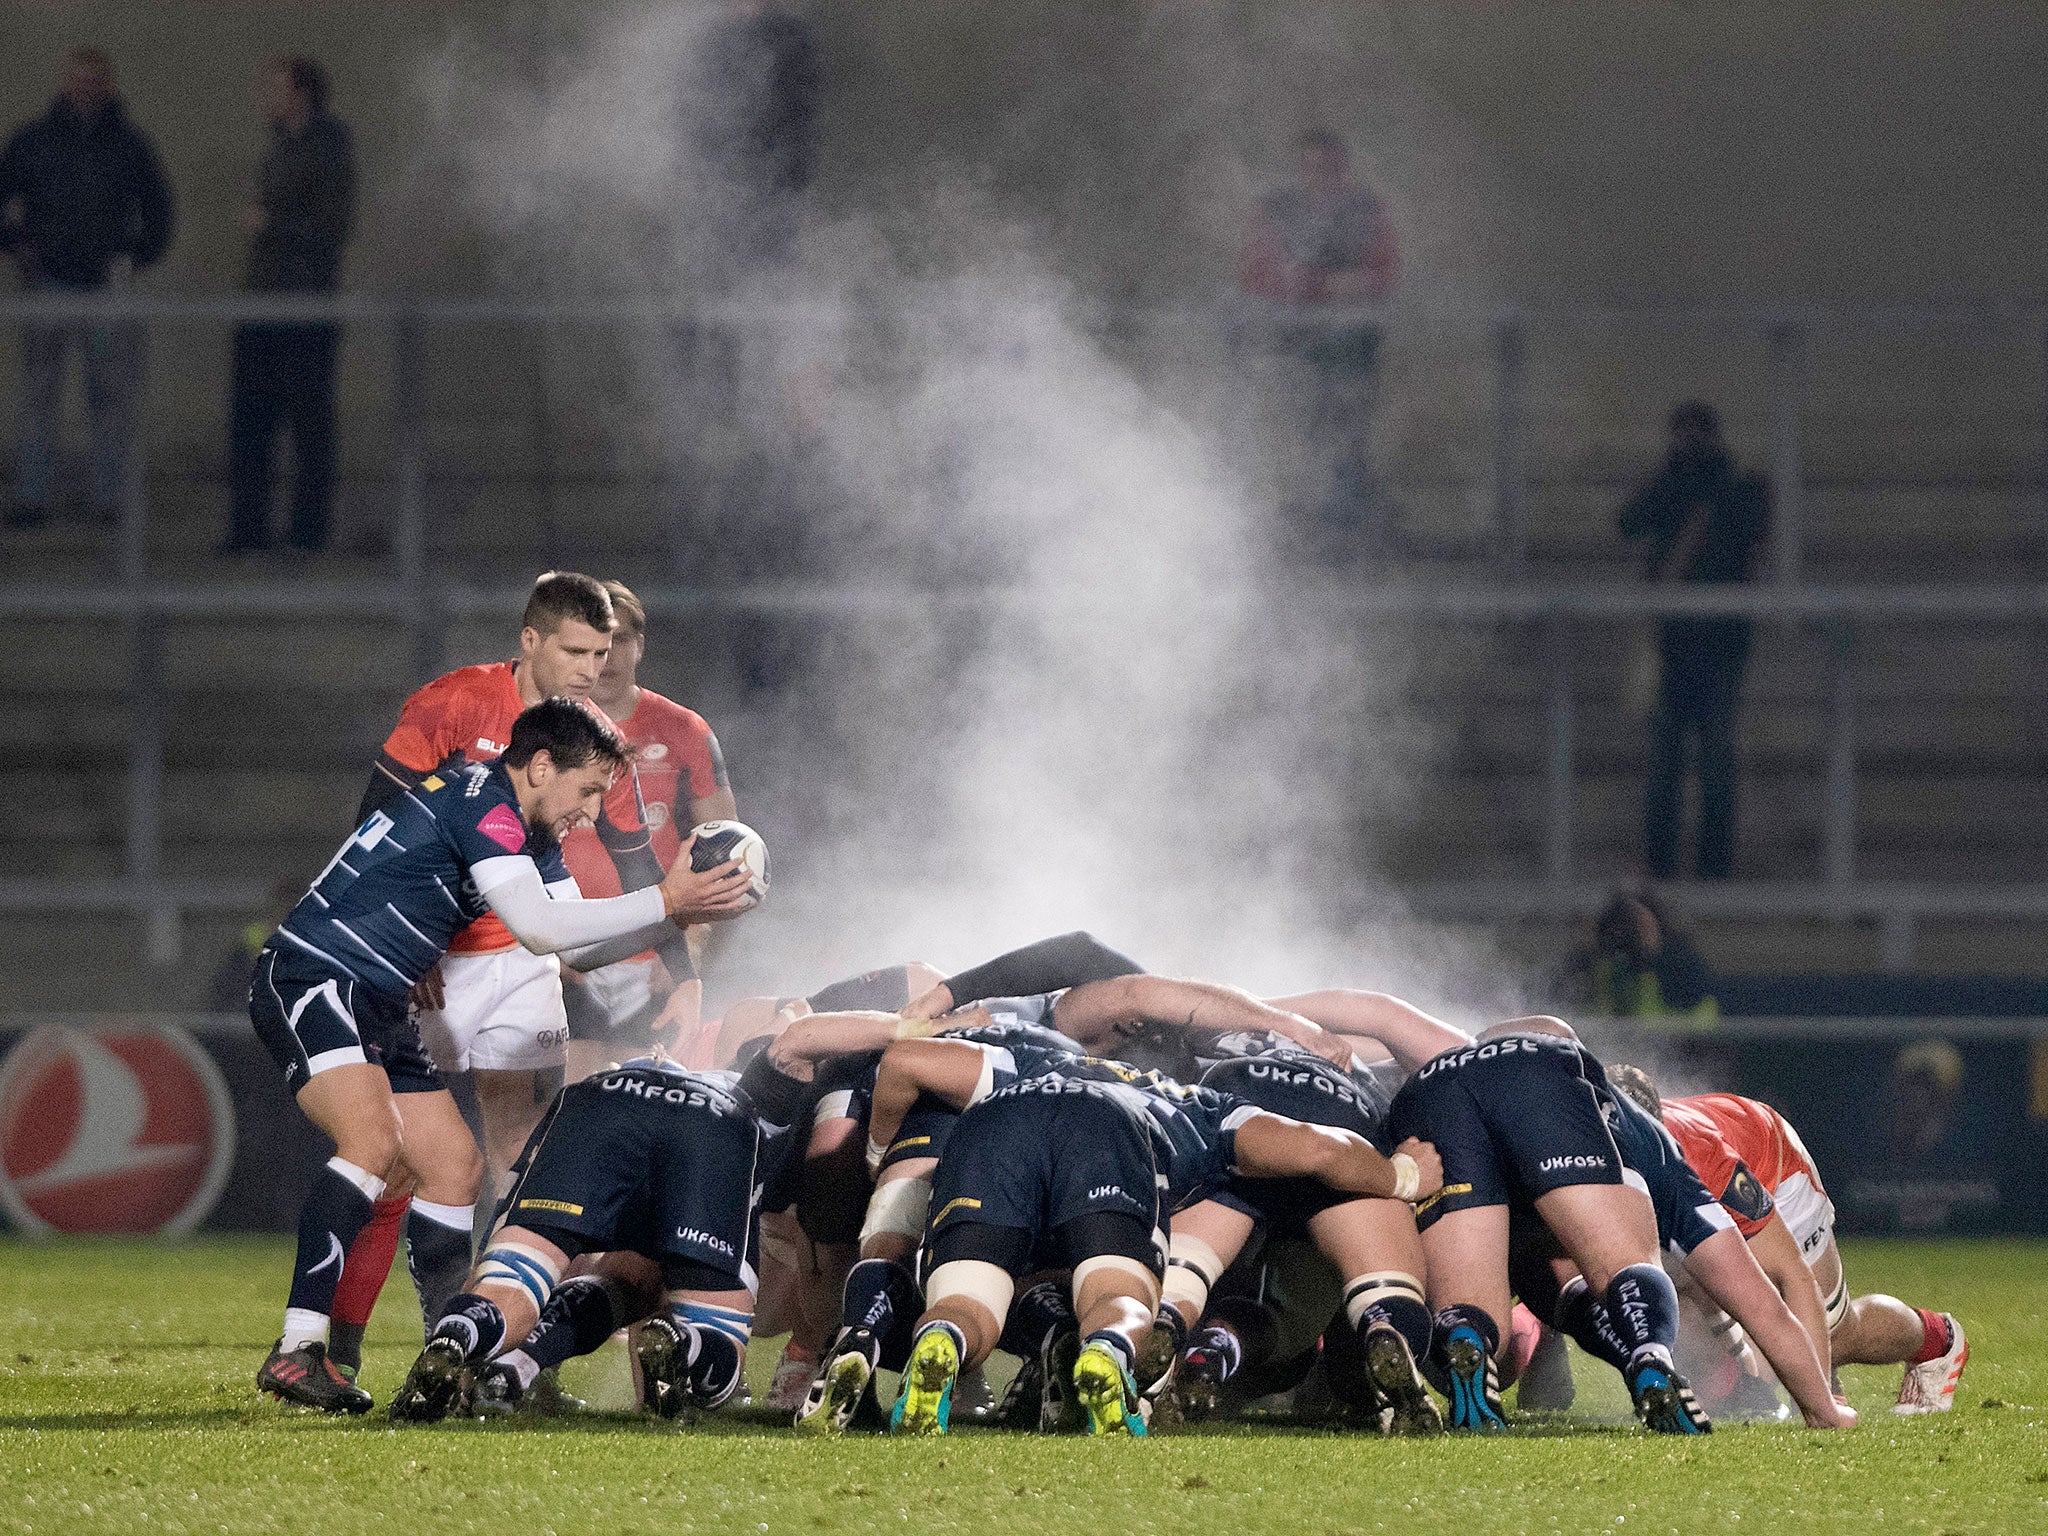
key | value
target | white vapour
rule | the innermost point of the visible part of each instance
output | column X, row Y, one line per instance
column 1079, row 701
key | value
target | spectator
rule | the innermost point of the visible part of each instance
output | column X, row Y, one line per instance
column 297, row 220
column 1326, row 242
column 1702, row 522
column 1642, row 965
column 759, row 129
column 83, row 206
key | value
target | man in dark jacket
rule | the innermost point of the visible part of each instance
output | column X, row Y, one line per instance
column 1702, row 522
column 297, row 221
column 83, row 203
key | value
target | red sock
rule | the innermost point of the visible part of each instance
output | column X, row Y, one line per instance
column 1934, row 1338
column 368, row 1264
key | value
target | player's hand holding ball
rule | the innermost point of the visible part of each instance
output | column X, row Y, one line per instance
column 720, row 872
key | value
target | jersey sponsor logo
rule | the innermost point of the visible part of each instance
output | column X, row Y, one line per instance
column 706, row 1239
column 485, row 744
column 501, row 824
column 1510, row 1046
column 1108, row 1192
column 564, row 1206
column 473, row 778
column 1576, row 1160
column 653, row 751
column 655, row 814
column 1745, row 1195
column 112, row 1130
column 432, row 782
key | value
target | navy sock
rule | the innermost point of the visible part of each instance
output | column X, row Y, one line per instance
column 1038, row 1312
column 1642, row 1304
column 881, row 1295
column 1220, row 1345
column 438, row 1256
column 336, row 1209
column 475, row 1323
column 1584, row 1319
column 1407, row 1316
column 579, row 1316
column 1117, row 1343
column 715, row 1350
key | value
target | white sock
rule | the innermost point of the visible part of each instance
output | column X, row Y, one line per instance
column 302, row 1328
column 456, row 1218
column 520, row 1364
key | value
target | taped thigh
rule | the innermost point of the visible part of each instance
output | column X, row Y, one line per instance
column 987, row 1285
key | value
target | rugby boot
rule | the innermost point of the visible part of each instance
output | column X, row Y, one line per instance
column 1475, row 1382
column 1059, row 1412
column 841, row 1383
column 547, row 1399
column 1107, row 1393
column 974, row 1400
column 1663, row 1401
column 662, row 1358
column 1930, row 1387
column 1022, row 1398
column 497, row 1393
column 432, row 1386
column 1197, row 1384
column 790, row 1390
column 925, row 1404
column 1390, row 1362
column 307, row 1377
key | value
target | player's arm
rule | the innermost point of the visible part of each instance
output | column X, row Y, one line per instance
column 957, row 1071
column 432, row 727
column 815, row 1037
column 1103, row 1014
column 1270, row 1146
column 1413, row 1036
column 1727, row 1271
column 1066, row 960
column 1776, row 1252
column 511, row 886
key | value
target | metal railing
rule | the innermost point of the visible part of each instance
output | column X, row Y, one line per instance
column 1498, row 591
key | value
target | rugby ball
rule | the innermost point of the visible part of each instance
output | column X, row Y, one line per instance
column 718, row 841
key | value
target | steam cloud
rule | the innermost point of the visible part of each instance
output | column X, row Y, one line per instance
column 1073, row 688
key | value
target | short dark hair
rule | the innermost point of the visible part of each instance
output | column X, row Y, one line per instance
column 571, row 734
column 562, row 595
column 308, row 77
column 629, row 610
column 1637, row 1084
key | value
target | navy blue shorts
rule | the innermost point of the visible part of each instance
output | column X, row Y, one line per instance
column 1302, row 1088
column 636, row 1160
column 1512, row 1119
column 1040, row 1155
column 924, row 1131
column 311, row 1016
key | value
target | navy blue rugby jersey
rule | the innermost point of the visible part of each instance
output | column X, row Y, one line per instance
column 386, row 905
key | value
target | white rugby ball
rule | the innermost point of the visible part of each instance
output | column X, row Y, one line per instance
column 719, row 841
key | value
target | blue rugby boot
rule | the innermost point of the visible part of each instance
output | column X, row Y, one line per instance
column 1663, row 1401
column 1475, row 1382
column 926, row 1400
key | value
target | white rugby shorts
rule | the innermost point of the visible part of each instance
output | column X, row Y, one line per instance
column 1808, row 1213
column 502, row 1012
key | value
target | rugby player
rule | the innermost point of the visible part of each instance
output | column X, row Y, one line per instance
column 1105, row 1000
column 328, row 998
column 1079, row 1168
column 623, row 1010
column 654, row 1160
column 1751, row 1153
column 1527, row 1126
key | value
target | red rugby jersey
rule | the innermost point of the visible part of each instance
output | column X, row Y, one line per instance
column 677, row 760
column 467, row 715
column 1727, row 1139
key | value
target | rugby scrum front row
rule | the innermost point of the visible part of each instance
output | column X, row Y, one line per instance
column 1164, row 1197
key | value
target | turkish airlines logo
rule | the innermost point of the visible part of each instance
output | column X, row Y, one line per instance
column 112, row 1130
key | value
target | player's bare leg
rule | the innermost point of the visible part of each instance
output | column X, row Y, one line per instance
column 1883, row 1330
column 1115, row 1298
column 880, row 1288
column 1466, row 1255
column 1376, row 1249
column 965, row 1304
column 1610, row 1232
column 1206, row 1238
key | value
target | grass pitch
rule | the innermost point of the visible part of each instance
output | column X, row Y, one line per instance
column 126, row 1405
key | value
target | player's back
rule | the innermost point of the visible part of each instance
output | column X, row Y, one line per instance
column 1762, row 1137
column 1280, row 1076
column 394, row 896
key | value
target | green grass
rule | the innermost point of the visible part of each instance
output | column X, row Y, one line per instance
column 126, row 1405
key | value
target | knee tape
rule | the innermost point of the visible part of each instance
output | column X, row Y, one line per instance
column 1117, row 1263
column 897, row 1207
column 987, row 1285
column 528, row 1269
column 1836, row 1302
column 1192, row 1270
column 1361, row 1294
